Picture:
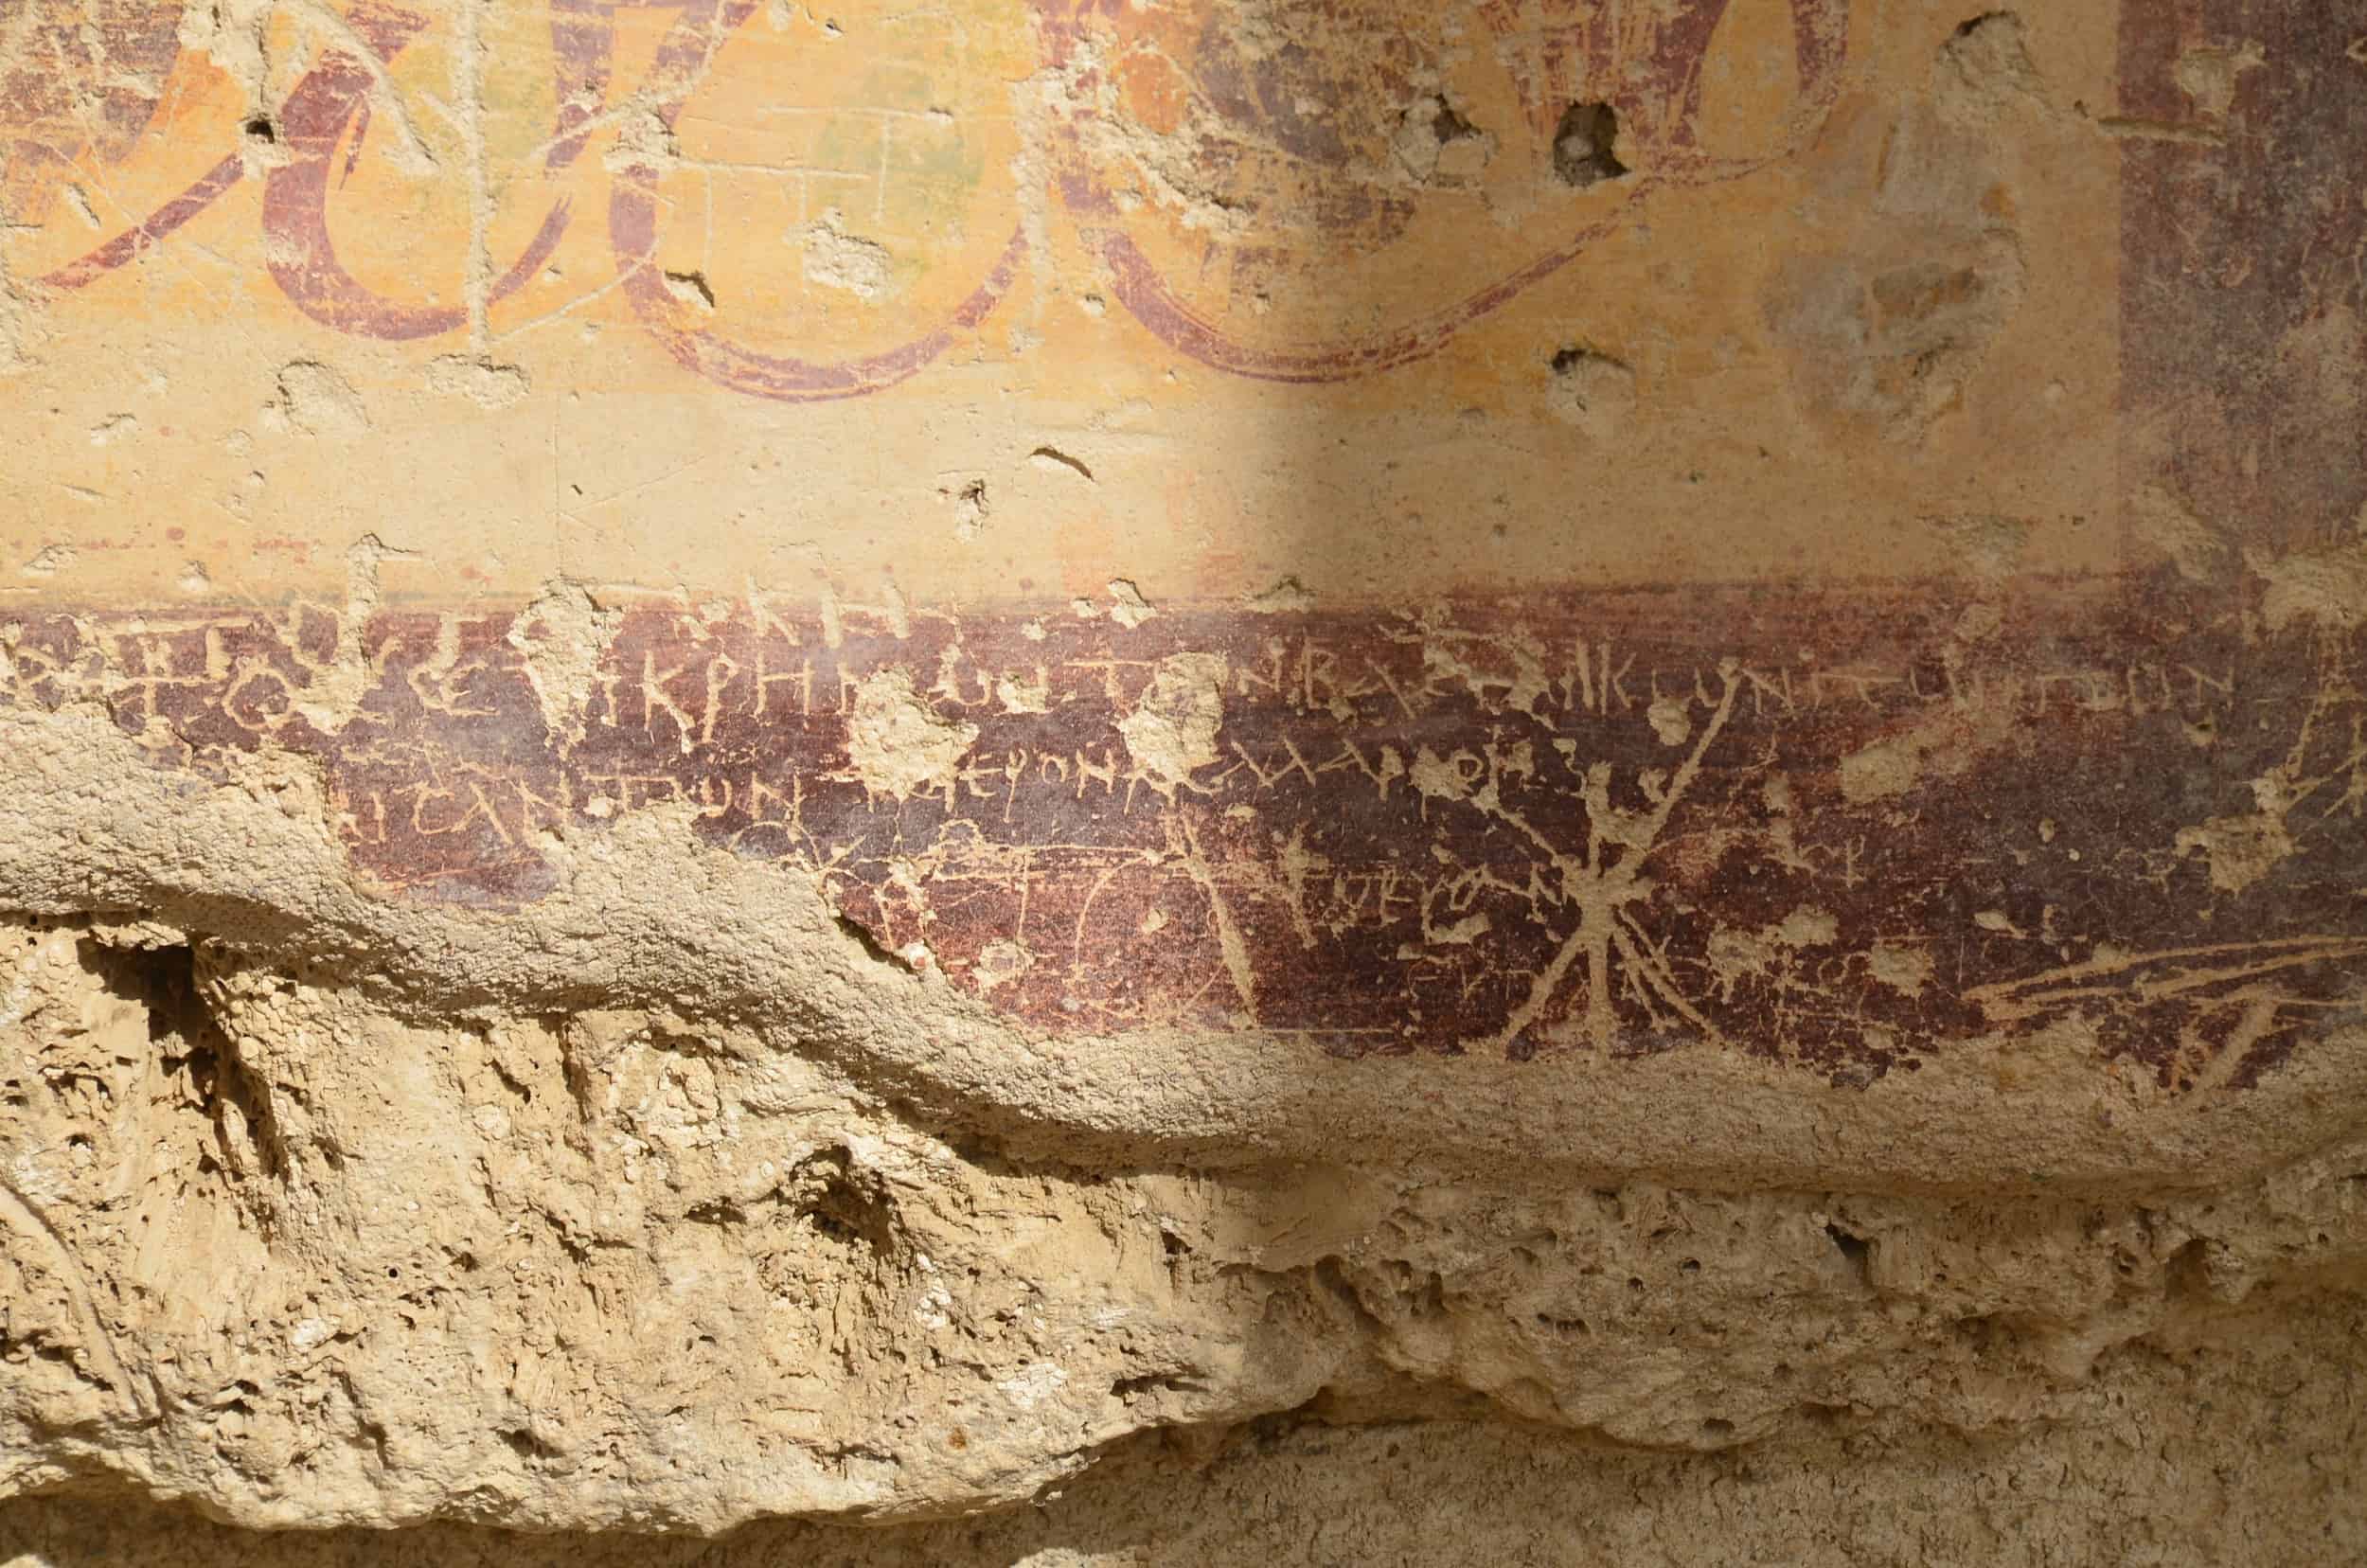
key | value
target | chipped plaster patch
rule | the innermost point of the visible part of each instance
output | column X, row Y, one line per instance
column 564, row 633
column 2173, row 531
column 316, row 399
column 899, row 744
column 482, row 382
column 1128, row 608
column 2327, row 588
column 1173, row 730
column 1905, row 970
column 835, row 258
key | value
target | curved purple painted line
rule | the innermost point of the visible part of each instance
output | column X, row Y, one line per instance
column 301, row 256
column 633, row 236
column 580, row 44
column 633, row 233
column 583, row 43
column 1144, row 290
column 136, row 239
column 1146, row 295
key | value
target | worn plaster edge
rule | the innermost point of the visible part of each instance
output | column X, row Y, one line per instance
column 101, row 1469
column 95, row 1470
column 643, row 914
column 328, row 582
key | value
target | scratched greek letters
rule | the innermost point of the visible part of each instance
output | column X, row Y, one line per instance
column 1562, row 826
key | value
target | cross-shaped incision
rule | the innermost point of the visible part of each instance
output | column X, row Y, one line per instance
column 1600, row 884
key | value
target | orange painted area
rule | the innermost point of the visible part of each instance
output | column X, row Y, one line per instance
column 743, row 292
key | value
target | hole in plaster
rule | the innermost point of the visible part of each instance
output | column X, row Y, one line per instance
column 1583, row 143
column 691, row 288
column 872, row 947
column 1858, row 1250
column 1448, row 126
column 1053, row 458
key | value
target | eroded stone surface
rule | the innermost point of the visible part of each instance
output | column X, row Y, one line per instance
column 622, row 1267
column 757, row 762
column 1457, row 1492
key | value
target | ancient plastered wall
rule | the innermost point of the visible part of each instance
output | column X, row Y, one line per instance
column 768, row 760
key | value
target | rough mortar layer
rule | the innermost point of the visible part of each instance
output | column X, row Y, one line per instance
column 1506, row 781
column 2181, row 1454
